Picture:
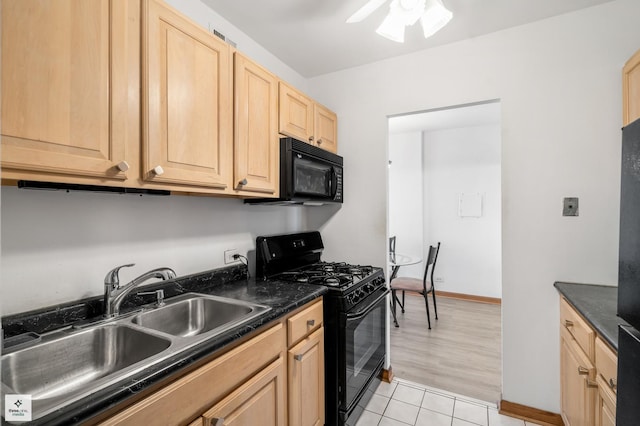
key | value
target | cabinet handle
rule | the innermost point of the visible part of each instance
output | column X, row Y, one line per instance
column 310, row 138
column 217, row 421
column 123, row 166
column 158, row 170
column 243, row 182
column 298, row 357
column 613, row 383
column 582, row 370
column 591, row 383
column 311, row 323
column 568, row 323
column 319, row 141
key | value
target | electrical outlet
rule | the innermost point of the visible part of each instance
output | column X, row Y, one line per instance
column 439, row 279
column 228, row 256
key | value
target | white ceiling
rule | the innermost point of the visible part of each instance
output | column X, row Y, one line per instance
column 311, row 36
column 480, row 114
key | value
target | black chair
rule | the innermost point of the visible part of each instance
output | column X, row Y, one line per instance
column 424, row 286
column 392, row 245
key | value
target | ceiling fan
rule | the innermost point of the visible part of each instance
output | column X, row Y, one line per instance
column 403, row 13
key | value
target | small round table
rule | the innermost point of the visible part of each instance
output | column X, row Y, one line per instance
column 396, row 260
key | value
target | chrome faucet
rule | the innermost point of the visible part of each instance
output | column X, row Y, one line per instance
column 114, row 293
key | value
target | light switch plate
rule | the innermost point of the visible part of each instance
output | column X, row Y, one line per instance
column 570, row 206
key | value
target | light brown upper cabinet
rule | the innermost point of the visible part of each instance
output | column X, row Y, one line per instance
column 187, row 115
column 302, row 118
column 631, row 89
column 325, row 123
column 256, row 143
column 70, row 77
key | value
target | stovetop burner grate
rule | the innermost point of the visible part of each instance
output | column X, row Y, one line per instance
column 332, row 274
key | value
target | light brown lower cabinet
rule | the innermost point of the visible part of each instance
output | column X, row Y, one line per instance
column 588, row 373
column 306, row 381
column 607, row 369
column 578, row 384
column 255, row 383
column 606, row 406
column 260, row 401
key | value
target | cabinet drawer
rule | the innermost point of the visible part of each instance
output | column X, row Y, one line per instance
column 607, row 364
column 304, row 322
column 200, row 389
column 579, row 329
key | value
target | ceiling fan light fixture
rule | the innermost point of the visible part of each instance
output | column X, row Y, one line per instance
column 435, row 17
column 403, row 13
column 392, row 27
column 411, row 10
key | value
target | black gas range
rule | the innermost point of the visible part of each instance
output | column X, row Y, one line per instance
column 354, row 314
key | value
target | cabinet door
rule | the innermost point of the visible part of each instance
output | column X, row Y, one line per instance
column 606, row 406
column 577, row 390
column 295, row 113
column 69, row 96
column 631, row 90
column 257, row 154
column 326, row 128
column 187, row 111
column 306, row 381
column 260, row 401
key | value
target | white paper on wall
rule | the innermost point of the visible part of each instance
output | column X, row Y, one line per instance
column 470, row 205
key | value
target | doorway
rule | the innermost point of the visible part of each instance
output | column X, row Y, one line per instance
column 445, row 186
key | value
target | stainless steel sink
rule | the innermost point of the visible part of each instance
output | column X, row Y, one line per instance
column 65, row 364
column 193, row 314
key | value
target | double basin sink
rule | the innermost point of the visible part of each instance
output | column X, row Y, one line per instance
column 68, row 365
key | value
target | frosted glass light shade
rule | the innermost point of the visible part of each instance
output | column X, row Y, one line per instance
column 435, row 17
column 393, row 25
column 411, row 10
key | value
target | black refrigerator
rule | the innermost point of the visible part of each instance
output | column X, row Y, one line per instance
column 628, row 403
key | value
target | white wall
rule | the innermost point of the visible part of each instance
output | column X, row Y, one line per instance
column 456, row 161
column 58, row 246
column 405, row 198
column 559, row 84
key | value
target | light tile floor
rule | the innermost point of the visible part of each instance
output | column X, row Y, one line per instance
column 402, row 403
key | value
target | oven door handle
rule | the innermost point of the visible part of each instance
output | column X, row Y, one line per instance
column 371, row 306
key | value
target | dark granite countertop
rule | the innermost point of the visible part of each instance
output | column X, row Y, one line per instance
column 598, row 304
column 282, row 297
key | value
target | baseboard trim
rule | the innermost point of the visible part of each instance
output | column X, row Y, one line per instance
column 526, row 413
column 387, row 374
column 470, row 297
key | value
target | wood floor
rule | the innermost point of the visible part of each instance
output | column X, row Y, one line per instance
column 461, row 353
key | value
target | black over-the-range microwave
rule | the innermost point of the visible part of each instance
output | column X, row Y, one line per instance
column 308, row 175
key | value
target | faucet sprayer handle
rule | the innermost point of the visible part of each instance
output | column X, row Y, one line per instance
column 112, row 279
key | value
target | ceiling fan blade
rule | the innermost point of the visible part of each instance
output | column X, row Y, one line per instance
column 365, row 10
